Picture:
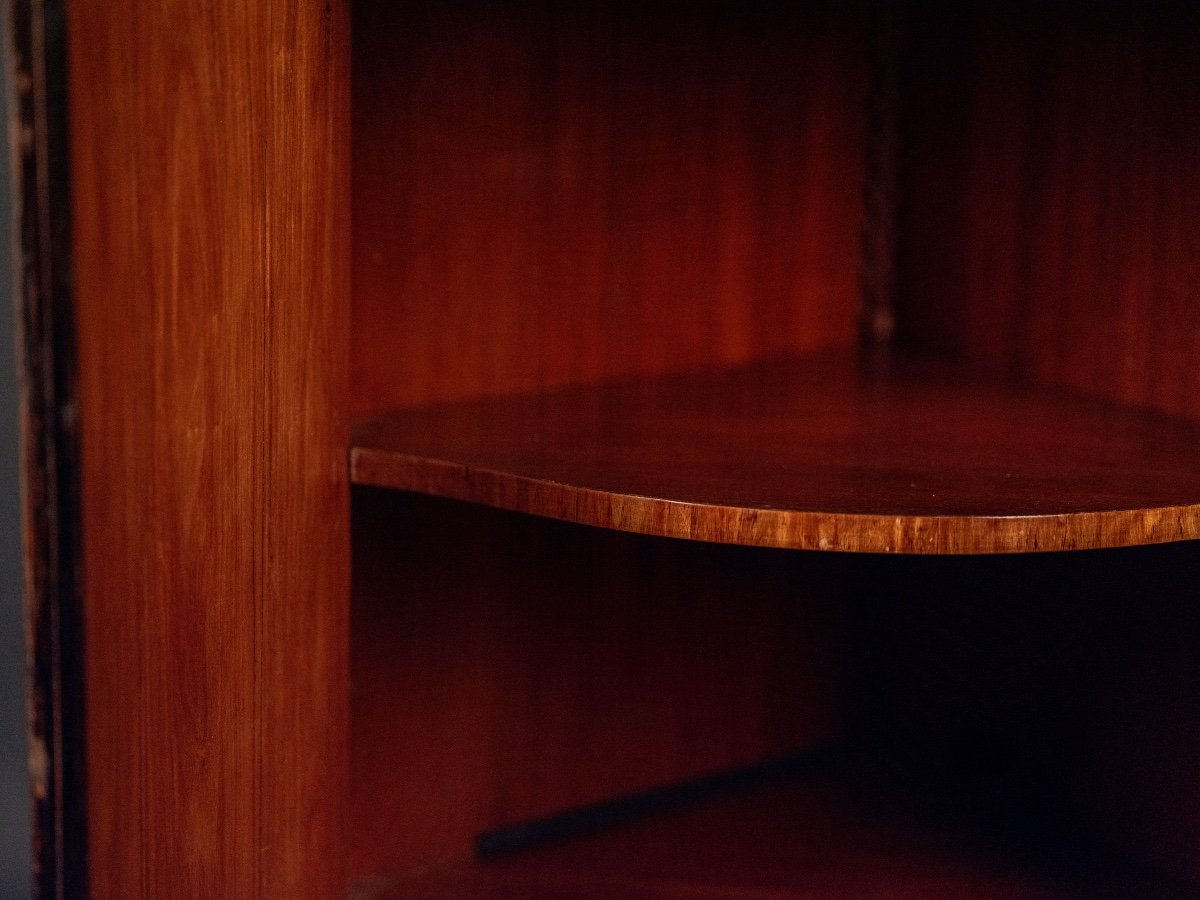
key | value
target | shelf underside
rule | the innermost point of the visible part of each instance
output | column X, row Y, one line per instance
column 813, row 838
column 816, row 453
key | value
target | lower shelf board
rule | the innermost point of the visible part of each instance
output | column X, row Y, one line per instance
column 806, row 839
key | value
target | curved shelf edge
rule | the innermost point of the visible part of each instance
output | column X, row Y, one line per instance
column 779, row 528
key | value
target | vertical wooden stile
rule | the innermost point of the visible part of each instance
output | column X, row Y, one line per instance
column 208, row 152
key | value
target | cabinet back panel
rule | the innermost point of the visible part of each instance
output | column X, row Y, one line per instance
column 506, row 667
column 1052, row 205
column 569, row 193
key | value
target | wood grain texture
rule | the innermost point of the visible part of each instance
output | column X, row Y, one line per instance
column 1052, row 203
column 812, row 454
column 506, row 668
column 209, row 147
column 809, row 840
column 547, row 194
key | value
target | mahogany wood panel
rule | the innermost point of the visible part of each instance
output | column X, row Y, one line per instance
column 507, row 667
column 550, row 193
column 1052, row 204
column 810, row 840
column 815, row 453
column 209, row 147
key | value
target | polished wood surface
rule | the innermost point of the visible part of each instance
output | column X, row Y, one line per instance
column 808, row 840
column 507, row 667
column 551, row 197
column 816, row 453
column 548, row 194
column 1051, row 207
column 210, row 192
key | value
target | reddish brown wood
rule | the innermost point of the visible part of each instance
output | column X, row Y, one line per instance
column 811, row 454
column 506, row 668
column 548, row 195
column 562, row 193
column 806, row 841
column 1052, row 208
column 210, row 185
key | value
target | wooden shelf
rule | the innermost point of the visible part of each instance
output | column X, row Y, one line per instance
column 812, row 838
column 815, row 453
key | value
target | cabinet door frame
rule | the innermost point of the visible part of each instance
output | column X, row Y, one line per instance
column 49, row 462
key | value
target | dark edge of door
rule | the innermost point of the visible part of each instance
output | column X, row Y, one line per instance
column 50, row 445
